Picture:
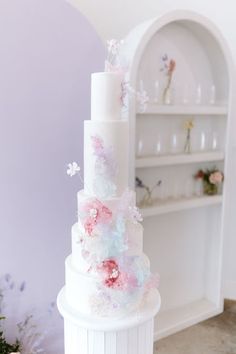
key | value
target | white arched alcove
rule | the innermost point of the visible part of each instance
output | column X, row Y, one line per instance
column 183, row 232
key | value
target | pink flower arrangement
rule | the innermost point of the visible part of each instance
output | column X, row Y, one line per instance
column 216, row 177
column 96, row 213
column 211, row 180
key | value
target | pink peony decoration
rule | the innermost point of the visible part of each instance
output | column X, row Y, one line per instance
column 216, row 177
column 110, row 271
column 97, row 213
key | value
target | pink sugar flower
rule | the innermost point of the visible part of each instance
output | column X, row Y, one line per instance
column 128, row 281
column 110, row 272
column 97, row 213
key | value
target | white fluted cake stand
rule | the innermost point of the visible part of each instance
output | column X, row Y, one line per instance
column 132, row 334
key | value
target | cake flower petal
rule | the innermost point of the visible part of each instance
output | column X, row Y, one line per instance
column 93, row 213
column 110, row 273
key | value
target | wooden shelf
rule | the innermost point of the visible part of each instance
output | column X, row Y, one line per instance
column 172, row 205
column 220, row 110
column 178, row 159
column 171, row 321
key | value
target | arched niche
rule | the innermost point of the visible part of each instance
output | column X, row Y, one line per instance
column 183, row 237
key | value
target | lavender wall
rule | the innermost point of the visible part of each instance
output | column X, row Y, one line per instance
column 47, row 53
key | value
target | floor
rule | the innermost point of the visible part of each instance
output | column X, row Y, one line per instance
column 214, row 336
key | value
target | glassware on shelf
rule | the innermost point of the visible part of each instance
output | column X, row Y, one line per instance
column 212, row 95
column 140, row 148
column 177, row 189
column 175, row 143
column 198, row 187
column 168, row 97
column 188, row 188
column 185, row 97
column 156, row 92
column 214, row 142
column 159, row 145
column 147, row 198
column 198, row 95
column 201, row 141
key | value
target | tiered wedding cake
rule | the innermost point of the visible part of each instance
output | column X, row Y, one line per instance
column 107, row 273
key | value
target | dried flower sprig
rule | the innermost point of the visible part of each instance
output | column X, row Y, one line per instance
column 168, row 67
column 147, row 199
column 28, row 333
column 188, row 126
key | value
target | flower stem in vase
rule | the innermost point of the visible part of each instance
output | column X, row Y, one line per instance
column 168, row 67
column 166, row 97
column 147, row 199
column 210, row 189
column 187, row 146
column 188, row 126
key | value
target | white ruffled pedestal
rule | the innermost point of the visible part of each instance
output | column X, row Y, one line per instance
column 132, row 334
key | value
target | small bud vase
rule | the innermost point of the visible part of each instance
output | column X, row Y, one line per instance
column 209, row 188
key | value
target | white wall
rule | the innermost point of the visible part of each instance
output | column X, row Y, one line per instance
column 114, row 19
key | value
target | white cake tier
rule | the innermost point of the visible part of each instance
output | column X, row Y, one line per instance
column 105, row 158
column 134, row 244
column 106, row 96
column 85, row 293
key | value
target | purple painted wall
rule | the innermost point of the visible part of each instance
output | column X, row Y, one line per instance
column 47, row 53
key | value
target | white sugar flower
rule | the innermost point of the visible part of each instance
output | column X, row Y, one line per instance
column 113, row 46
column 93, row 213
column 135, row 214
column 73, row 169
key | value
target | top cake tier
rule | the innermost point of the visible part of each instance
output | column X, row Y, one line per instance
column 106, row 96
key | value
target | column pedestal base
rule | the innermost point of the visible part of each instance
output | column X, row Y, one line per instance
column 132, row 334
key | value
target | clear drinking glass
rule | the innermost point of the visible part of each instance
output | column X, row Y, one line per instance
column 185, row 97
column 140, row 148
column 188, row 188
column 198, row 94
column 175, row 143
column 212, row 94
column 214, row 143
column 159, row 145
column 201, row 141
column 156, row 92
column 198, row 188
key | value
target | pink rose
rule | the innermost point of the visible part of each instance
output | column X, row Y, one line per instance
column 216, row 177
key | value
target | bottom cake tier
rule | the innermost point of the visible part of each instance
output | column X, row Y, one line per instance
column 91, row 293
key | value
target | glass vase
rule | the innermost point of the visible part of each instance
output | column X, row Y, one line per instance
column 209, row 188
